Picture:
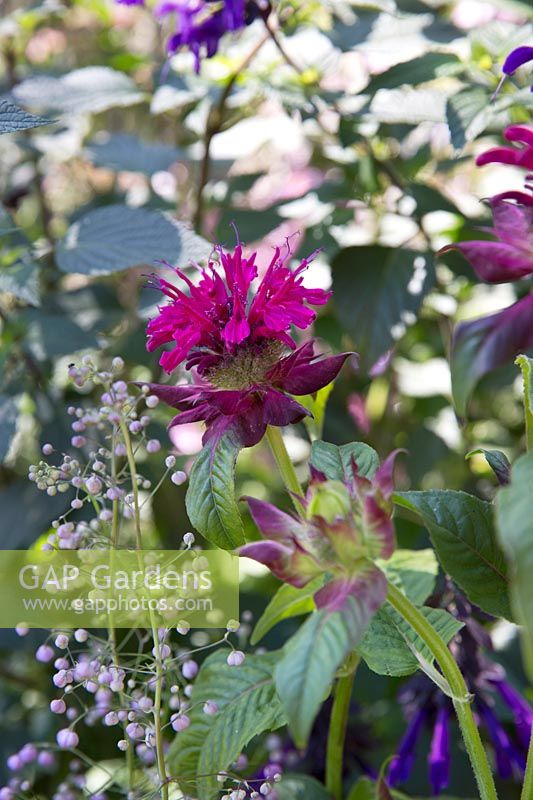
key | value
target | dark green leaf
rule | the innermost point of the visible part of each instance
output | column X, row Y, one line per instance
column 310, row 660
column 468, row 114
column 287, row 602
column 515, row 528
column 50, row 335
column 497, row 461
column 389, row 644
column 461, row 528
column 21, row 280
column 336, row 462
column 13, row 118
column 211, row 503
column 248, row 705
column 117, row 237
column 301, row 787
column 418, row 70
column 412, row 571
column 378, row 292
column 124, row 152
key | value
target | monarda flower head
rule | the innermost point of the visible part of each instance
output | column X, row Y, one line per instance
column 426, row 707
column 346, row 526
column 481, row 345
column 234, row 332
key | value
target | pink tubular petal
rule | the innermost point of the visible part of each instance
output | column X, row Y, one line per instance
column 520, row 133
column 495, row 262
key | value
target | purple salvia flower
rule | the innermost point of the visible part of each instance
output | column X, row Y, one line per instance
column 402, row 765
column 439, row 757
column 517, row 58
column 504, row 750
column 522, row 711
column 201, row 24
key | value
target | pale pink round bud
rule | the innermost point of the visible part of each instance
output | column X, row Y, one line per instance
column 58, row 706
column 179, row 722
column 67, row 738
column 189, row 670
column 236, row 658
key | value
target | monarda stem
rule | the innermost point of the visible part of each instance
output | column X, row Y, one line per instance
column 458, row 687
column 337, row 732
column 286, row 467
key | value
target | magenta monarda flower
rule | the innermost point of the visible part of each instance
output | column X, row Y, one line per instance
column 484, row 344
column 346, row 527
column 235, row 333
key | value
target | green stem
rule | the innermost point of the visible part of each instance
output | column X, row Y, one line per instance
column 160, row 752
column 337, row 733
column 286, row 467
column 458, row 687
column 527, row 788
column 526, row 365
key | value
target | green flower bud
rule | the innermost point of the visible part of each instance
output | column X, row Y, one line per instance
column 329, row 500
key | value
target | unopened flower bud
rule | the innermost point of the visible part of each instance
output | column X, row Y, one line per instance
column 329, row 500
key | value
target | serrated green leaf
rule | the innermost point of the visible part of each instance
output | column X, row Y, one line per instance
column 462, row 531
column 389, row 644
column 247, row 700
column 468, row 113
column 211, row 503
column 515, row 529
column 117, row 237
column 336, row 462
column 378, row 292
column 89, row 89
column 287, row 602
column 13, row 118
column 417, row 70
column 413, row 571
column 310, row 659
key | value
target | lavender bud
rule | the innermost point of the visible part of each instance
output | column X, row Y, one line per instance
column 67, row 738
column 44, row 653
column 178, row 477
column 58, row 706
column 179, row 722
column 189, row 670
column 236, row 658
column 210, row 708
